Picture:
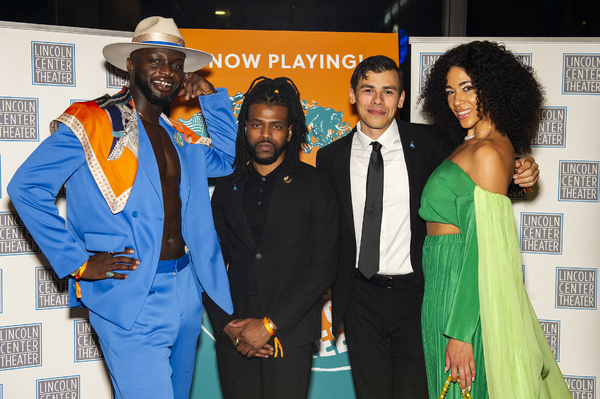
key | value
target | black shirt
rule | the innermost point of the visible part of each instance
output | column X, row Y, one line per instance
column 257, row 194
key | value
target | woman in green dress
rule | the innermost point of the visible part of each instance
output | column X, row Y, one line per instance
column 477, row 320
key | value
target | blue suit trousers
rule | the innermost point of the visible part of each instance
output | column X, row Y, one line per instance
column 155, row 359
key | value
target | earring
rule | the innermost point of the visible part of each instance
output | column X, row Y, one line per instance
column 171, row 74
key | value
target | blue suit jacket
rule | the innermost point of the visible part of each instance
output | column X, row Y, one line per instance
column 91, row 227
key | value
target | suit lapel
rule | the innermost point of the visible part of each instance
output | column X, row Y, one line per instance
column 147, row 160
column 184, row 180
column 413, row 160
column 236, row 195
column 341, row 165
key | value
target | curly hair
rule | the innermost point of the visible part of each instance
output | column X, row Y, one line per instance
column 507, row 93
column 377, row 64
column 279, row 91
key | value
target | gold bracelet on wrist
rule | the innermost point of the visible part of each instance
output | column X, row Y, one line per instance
column 269, row 325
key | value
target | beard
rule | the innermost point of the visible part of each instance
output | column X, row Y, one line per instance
column 269, row 160
column 144, row 86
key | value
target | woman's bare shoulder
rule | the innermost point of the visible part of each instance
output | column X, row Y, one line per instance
column 492, row 165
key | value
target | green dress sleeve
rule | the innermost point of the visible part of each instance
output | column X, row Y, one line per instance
column 464, row 312
column 518, row 359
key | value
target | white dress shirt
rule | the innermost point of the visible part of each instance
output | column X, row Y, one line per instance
column 395, row 225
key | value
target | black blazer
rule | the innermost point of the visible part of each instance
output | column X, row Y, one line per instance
column 294, row 262
column 423, row 152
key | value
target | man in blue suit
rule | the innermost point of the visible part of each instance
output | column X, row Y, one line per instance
column 139, row 238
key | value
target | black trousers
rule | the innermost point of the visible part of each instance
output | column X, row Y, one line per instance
column 260, row 378
column 383, row 334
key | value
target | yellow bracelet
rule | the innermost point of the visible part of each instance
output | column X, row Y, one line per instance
column 269, row 325
column 77, row 278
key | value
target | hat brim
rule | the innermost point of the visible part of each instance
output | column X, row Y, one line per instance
column 117, row 54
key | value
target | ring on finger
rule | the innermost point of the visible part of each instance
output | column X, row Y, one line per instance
column 109, row 274
column 186, row 75
column 236, row 341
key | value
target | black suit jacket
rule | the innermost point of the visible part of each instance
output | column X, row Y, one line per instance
column 423, row 152
column 286, row 273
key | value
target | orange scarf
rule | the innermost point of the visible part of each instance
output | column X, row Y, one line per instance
column 112, row 158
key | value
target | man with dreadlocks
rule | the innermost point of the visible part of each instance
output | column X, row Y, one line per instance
column 277, row 220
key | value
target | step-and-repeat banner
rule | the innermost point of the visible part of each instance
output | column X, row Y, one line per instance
column 48, row 350
column 559, row 220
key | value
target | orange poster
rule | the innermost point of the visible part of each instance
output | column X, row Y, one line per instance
column 319, row 63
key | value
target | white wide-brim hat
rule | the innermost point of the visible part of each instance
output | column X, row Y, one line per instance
column 156, row 32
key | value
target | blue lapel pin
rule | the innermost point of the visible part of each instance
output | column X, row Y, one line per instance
column 412, row 145
column 235, row 187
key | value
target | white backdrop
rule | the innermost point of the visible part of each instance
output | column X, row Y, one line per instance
column 558, row 222
column 46, row 350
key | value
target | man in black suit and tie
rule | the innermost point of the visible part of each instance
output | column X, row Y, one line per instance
column 379, row 288
column 277, row 220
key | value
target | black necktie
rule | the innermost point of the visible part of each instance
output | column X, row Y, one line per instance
column 368, row 260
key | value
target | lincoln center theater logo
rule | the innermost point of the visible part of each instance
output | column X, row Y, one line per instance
column 581, row 387
column 52, row 292
column 18, row 119
column 551, row 127
column 53, row 64
column 524, row 58
column 576, row 288
column 59, row 388
column 14, row 237
column 541, row 233
column 551, row 330
column 20, row 346
column 427, row 62
column 115, row 78
column 87, row 346
column 581, row 74
column 578, row 181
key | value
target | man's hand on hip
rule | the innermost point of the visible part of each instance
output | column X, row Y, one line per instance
column 103, row 265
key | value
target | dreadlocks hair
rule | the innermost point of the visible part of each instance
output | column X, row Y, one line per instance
column 279, row 91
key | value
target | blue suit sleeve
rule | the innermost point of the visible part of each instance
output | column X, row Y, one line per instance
column 33, row 191
column 222, row 127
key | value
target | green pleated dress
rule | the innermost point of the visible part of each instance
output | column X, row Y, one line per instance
column 474, row 293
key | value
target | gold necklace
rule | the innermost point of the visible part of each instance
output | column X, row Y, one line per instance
column 148, row 120
column 475, row 135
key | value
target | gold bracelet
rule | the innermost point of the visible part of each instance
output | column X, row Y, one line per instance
column 269, row 325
